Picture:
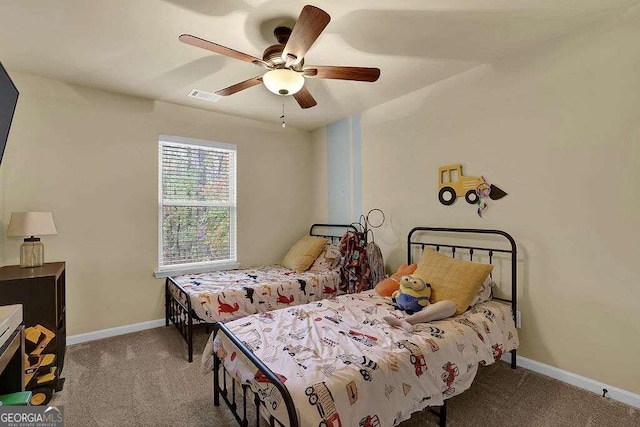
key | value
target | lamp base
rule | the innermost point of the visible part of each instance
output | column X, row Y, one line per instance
column 31, row 253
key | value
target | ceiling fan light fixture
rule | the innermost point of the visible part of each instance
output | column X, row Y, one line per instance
column 285, row 61
column 283, row 81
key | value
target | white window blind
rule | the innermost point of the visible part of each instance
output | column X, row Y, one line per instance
column 197, row 204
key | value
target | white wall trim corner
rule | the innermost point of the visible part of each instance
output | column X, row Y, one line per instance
column 112, row 332
column 585, row 383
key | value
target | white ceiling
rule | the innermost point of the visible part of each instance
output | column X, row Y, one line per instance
column 132, row 47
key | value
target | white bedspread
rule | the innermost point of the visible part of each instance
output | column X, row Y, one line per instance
column 345, row 366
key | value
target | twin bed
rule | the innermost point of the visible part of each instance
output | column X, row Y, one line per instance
column 336, row 362
column 202, row 300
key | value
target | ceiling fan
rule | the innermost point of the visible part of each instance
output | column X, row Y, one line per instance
column 285, row 60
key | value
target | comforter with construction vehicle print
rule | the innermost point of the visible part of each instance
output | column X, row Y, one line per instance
column 344, row 366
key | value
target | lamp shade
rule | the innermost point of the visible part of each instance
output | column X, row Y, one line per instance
column 283, row 81
column 31, row 224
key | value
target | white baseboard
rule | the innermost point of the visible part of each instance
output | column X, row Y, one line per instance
column 585, row 383
column 112, row 332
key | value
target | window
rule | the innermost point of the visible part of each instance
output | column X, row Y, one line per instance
column 196, row 205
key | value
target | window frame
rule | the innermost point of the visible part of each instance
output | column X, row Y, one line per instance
column 200, row 266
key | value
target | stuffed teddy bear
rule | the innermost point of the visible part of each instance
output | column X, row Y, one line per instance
column 388, row 286
column 413, row 294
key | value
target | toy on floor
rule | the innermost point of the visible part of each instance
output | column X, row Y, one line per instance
column 40, row 376
column 388, row 286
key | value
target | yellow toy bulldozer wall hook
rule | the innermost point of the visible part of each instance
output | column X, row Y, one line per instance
column 452, row 184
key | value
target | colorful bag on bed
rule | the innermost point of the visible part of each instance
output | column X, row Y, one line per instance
column 355, row 274
column 376, row 263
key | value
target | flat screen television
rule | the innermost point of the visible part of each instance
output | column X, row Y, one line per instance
column 8, row 101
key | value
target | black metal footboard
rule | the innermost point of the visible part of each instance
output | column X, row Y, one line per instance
column 178, row 311
column 239, row 396
column 238, row 405
column 441, row 414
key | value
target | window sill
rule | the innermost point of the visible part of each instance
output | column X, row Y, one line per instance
column 178, row 270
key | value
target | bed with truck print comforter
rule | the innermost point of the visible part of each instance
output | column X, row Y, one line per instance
column 231, row 294
column 344, row 366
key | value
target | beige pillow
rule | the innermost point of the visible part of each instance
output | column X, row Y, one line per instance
column 452, row 279
column 485, row 293
column 328, row 259
column 303, row 253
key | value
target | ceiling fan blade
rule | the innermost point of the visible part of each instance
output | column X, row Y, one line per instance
column 311, row 22
column 240, row 86
column 304, row 98
column 223, row 50
column 361, row 74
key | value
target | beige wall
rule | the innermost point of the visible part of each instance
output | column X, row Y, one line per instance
column 558, row 128
column 319, row 183
column 90, row 157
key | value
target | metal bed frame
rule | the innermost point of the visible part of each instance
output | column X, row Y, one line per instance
column 471, row 250
column 244, row 392
column 178, row 308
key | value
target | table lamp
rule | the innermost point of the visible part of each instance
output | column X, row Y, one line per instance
column 23, row 224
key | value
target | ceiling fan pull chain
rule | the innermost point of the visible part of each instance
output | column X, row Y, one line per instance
column 282, row 116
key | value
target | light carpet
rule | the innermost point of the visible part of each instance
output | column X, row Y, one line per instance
column 144, row 379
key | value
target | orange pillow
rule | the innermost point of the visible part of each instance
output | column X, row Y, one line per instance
column 386, row 287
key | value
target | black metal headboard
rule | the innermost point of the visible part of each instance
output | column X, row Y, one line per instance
column 426, row 236
column 333, row 232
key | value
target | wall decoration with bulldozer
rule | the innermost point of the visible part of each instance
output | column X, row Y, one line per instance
column 475, row 190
